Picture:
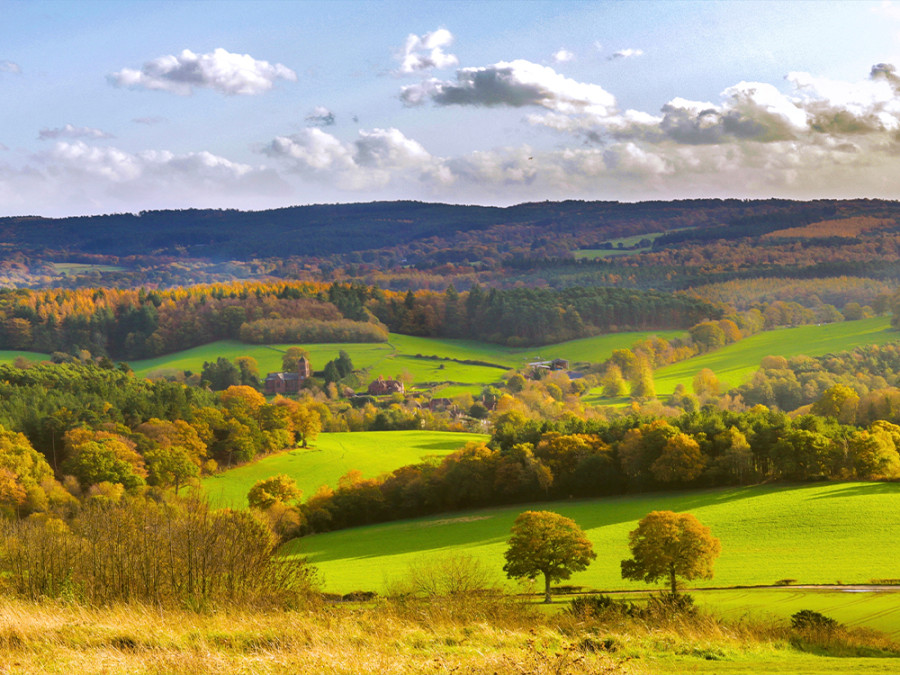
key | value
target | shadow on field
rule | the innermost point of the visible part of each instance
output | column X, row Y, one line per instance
column 491, row 526
column 862, row 490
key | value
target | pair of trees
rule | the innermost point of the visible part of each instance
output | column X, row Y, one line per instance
column 665, row 545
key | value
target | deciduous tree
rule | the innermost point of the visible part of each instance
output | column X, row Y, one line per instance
column 668, row 545
column 546, row 543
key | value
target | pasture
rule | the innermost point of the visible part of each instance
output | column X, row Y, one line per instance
column 633, row 241
column 431, row 362
column 333, row 455
column 734, row 364
column 810, row 533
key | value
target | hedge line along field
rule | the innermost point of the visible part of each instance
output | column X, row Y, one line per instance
column 734, row 364
column 332, row 456
column 268, row 357
column 815, row 534
column 429, row 361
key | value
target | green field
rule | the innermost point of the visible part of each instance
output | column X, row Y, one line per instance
column 594, row 253
column 364, row 355
column 880, row 610
column 333, row 455
column 81, row 268
column 8, row 356
column 811, row 533
column 737, row 362
column 406, row 354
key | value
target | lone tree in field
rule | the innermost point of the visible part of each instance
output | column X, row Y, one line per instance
column 547, row 543
column 670, row 545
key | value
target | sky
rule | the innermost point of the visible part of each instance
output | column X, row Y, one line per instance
column 123, row 106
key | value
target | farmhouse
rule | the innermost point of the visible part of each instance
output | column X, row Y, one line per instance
column 383, row 386
column 288, row 383
column 555, row 364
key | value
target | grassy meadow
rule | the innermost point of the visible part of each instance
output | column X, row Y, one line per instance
column 595, row 253
column 810, row 533
column 432, row 363
column 735, row 363
column 333, row 455
column 49, row 638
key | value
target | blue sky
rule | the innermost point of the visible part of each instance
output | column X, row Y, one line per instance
column 124, row 106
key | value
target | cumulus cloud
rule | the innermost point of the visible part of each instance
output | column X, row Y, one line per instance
column 221, row 71
column 515, row 84
column 10, row 67
column 426, row 52
column 626, row 54
column 887, row 9
column 320, row 117
column 563, row 55
column 750, row 112
column 376, row 158
column 71, row 131
column 79, row 177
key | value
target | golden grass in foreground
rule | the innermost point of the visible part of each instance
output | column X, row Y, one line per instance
column 52, row 638
column 389, row 637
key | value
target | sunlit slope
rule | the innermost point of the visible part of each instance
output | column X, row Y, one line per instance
column 333, row 455
column 813, row 533
column 735, row 363
column 430, row 361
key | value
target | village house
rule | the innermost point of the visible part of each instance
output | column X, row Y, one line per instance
column 382, row 386
column 288, row 383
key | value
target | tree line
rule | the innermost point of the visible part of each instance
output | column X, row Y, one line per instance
column 530, row 459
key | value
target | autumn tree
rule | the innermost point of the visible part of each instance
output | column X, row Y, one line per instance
column 171, row 466
column 706, row 384
column 840, row 402
column 267, row 492
column 249, row 370
column 680, row 461
column 667, row 545
column 291, row 358
column 547, row 543
column 613, row 382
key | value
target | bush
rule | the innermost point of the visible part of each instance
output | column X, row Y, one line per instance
column 595, row 606
column 177, row 553
column 807, row 619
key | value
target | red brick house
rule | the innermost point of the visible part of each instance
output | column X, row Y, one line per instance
column 382, row 386
column 288, row 383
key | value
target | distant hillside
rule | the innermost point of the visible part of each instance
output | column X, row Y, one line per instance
column 322, row 230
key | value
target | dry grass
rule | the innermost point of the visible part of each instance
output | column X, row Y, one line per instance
column 56, row 638
column 386, row 637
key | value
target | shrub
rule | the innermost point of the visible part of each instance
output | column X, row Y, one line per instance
column 176, row 553
column 807, row 619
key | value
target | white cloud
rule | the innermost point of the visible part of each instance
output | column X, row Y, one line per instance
column 427, row 52
column 515, row 84
column 221, row 71
column 377, row 158
column 10, row 67
column 77, row 177
column 563, row 55
column 887, row 9
column 320, row 117
column 626, row 54
column 71, row 131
